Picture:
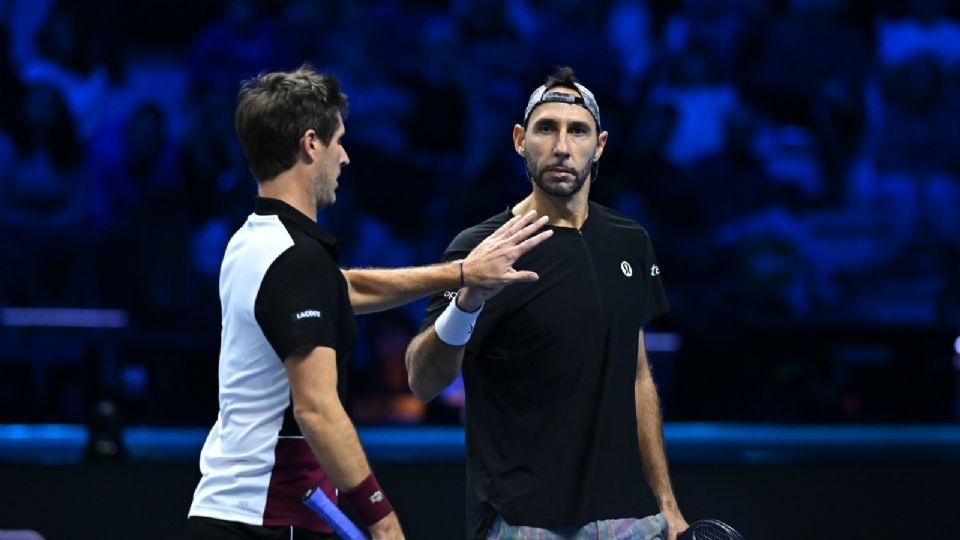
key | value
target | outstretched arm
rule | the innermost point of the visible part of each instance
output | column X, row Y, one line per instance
column 490, row 264
column 379, row 289
column 650, row 433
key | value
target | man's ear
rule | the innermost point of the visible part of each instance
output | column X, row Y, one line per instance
column 519, row 137
column 601, row 144
column 309, row 143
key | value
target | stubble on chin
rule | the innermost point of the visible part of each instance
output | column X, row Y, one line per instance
column 324, row 193
column 326, row 199
column 557, row 190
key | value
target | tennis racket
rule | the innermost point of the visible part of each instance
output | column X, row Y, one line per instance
column 317, row 500
column 710, row 529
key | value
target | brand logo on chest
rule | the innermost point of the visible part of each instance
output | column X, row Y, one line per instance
column 626, row 268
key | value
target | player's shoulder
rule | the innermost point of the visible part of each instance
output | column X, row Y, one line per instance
column 615, row 219
column 304, row 253
column 468, row 238
column 309, row 250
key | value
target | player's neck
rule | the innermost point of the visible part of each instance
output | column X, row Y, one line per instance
column 562, row 211
column 290, row 189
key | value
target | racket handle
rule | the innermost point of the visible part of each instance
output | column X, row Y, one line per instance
column 317, row 500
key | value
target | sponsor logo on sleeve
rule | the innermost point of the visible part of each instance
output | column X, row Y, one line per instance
column 308, row 314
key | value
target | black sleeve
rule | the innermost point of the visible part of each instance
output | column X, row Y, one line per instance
column 656, row 296
column 297, row 302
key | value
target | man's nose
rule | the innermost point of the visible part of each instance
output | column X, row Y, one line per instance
column 562, row 148
column 344, row 159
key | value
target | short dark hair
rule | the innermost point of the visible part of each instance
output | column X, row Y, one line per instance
column 562, row 76
column 275, row 109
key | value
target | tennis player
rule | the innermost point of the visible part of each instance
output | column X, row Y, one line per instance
column 563, row 427
column 289, row 330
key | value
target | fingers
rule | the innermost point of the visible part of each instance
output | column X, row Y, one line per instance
column 523, row 276
column 502, row 230
column 517, row 223
column 528, row 230
column 533, row 242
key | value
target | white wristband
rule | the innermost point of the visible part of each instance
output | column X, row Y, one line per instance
column 455, row 325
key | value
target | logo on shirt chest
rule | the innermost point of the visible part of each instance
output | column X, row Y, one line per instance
column 307, row 314
column 626, row 268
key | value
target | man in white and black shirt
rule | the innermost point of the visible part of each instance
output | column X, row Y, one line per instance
column 288, row 327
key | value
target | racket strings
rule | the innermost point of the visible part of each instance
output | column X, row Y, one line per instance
column 712, row 531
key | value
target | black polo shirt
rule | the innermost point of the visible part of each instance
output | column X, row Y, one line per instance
column 549, row 374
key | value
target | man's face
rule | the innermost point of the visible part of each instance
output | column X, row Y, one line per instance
column 330, row 159
column 559, row 146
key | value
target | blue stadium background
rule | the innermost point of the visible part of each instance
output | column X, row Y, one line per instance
column 794, row 160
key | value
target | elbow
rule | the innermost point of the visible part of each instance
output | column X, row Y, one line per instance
column 316, row 412
column 308, row 420
column 417, row 389
column 307, row 415
column 417, row 386
column 420, row 387
column 422, row 391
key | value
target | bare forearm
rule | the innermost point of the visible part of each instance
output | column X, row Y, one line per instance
column 379, row 289
column 431, row 365
column 650, row 433
column 333, row 439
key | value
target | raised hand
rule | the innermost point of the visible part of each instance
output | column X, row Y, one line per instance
column 489, row 267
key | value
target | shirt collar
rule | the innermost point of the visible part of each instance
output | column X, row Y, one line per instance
column 266, row 207
column 592, row 209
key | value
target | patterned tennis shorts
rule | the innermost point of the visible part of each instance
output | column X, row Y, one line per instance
column 648, row 528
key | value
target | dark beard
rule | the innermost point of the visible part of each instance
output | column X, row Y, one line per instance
column 580, row 177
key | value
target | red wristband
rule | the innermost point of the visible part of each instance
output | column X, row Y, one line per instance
column 368, row 501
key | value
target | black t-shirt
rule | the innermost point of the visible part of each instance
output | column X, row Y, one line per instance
column 549, row 375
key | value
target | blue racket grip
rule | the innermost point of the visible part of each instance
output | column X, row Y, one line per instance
column 317, row 500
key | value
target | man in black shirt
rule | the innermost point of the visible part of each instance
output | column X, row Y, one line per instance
column 288, row 328
column 562, row 416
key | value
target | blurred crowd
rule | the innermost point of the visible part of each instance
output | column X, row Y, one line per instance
column 792, row 159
